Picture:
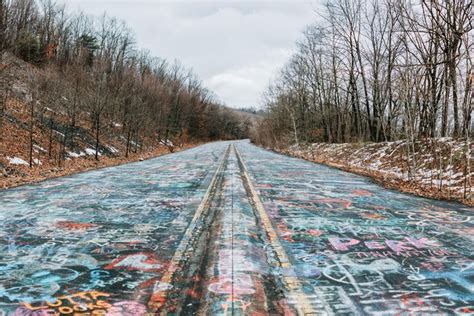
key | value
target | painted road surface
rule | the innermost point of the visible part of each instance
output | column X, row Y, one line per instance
column 99, row 241
column 231, row 229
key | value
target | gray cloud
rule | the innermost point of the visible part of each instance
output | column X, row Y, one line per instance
column 235, row 47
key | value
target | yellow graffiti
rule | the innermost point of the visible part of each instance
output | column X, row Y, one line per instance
column 89, row 303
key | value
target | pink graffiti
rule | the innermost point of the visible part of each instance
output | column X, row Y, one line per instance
column 127, row 308
column 374, row 245
column 242, row 285
column 362, row 192
column 398, row 246
column 344, row 203
column 315, row 232
column 140, row 261
column 410, row 243
column 422, row 242
column 342, row 244
column 23, row 311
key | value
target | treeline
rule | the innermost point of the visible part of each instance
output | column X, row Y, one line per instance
column 92, row 66
column 376, row 70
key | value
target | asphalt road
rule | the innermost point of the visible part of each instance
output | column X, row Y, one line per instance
column 231, row 229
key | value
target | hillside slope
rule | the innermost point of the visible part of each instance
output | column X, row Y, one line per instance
column 51, row 155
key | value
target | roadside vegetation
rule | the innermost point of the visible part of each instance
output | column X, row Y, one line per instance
column 438, row 175
column 380, row 71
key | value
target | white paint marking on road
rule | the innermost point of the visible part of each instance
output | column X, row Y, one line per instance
column 292, row 284
column 161, row 289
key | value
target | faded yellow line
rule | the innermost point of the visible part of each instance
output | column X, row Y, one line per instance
column 292, row 284
column 161, row 290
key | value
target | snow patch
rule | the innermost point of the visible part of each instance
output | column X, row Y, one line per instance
column 112, row 149
column 39, row 148
column 59, row 133
column 76, row 155
column 16, row 161
column 166, row 142
column 91, row 152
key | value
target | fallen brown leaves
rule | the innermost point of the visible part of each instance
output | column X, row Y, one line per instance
column 26, row 175
column 14, row 143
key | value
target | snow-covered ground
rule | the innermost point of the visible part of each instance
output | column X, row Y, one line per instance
column 19, row 161
column 16, row 161
column 438, row 165
column 91, row 152
column 76, row 155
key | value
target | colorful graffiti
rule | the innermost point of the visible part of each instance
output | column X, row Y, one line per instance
column 276, row 235
column 94, row 243
column 379, row 252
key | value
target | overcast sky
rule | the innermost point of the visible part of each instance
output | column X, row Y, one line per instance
column 235, row 47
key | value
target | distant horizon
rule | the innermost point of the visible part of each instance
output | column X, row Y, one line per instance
column 245, row 43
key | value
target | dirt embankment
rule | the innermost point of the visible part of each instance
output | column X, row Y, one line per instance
column 50, row 159
column 12, row 175
column 434, row 168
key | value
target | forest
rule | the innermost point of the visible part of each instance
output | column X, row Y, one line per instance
column 376, row 70
column 89, row 69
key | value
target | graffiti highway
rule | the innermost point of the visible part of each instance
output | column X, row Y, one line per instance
column 228, row 228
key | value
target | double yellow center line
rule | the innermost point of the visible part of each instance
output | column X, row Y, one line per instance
column 292, row 285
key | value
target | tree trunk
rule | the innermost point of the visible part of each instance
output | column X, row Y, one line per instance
column 97, row 130
column 32, row 113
